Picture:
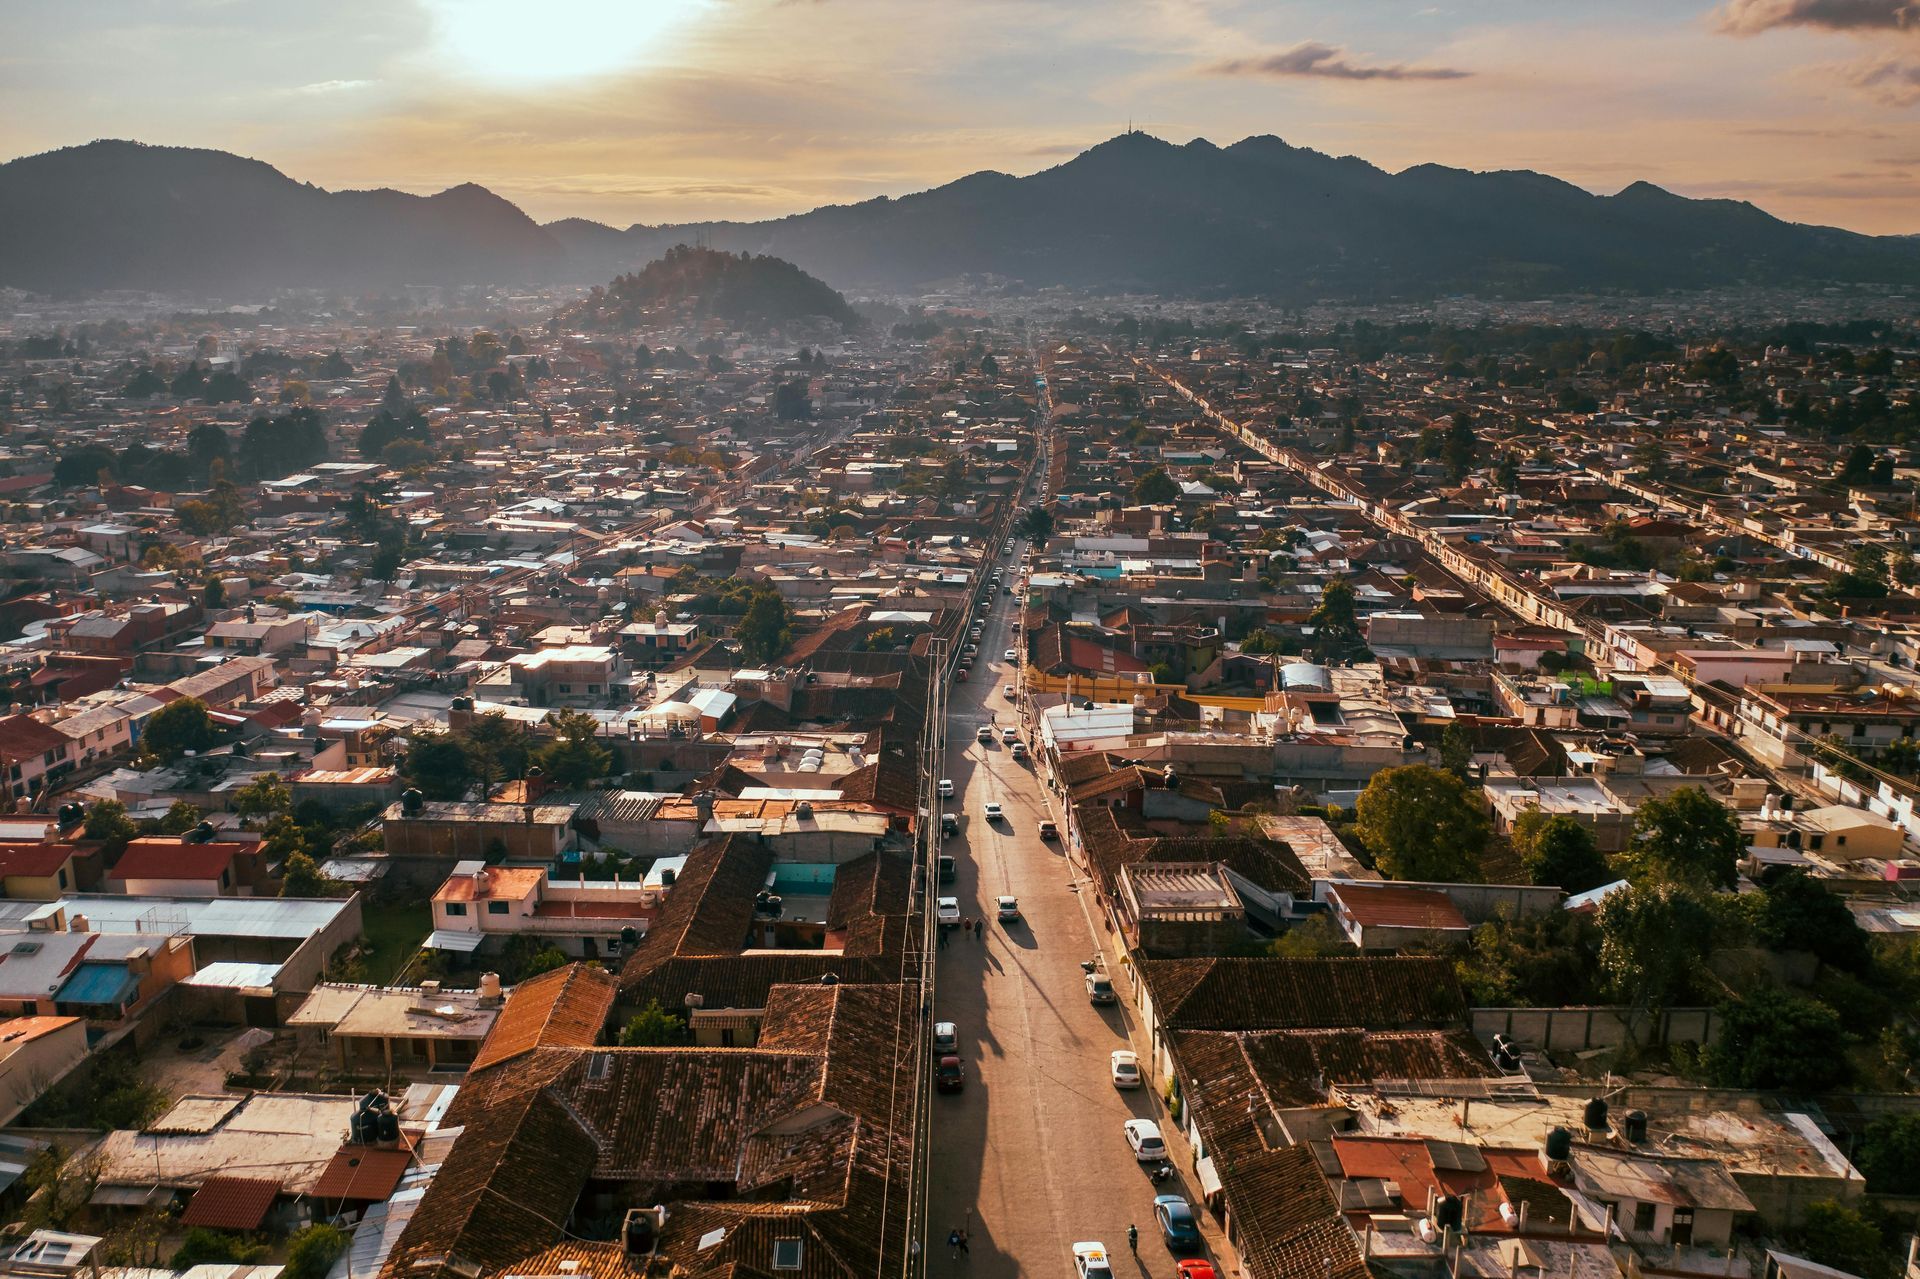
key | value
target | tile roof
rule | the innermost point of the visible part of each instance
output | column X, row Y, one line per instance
column 1370, row 992
column 363, row 1172
column 34, row 860
column 166, row 858
column 1398, row 906
column 567, row 1007
column 232, row 1203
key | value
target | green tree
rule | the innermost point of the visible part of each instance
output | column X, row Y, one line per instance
column 1558, row 850
column 438, row 764
column 1836, row 1235
column 264, row 796
column 1155, row 488
column 204, row 1247
column 213, row 595
column 312, row 1251
column 1541, row 961
column 107, row 822
column 1460, row 447
column 182, row 725
column 1037, row 525
column 300, row 877
column 1318, row 937
column 496, row 747
column 1771, row 1039
column 1422, row 823
column 180, row 818
column 1798, row 913
column 1456, row 749
column 386, row 562
column 654, row 1027
column 574, row 758
column 1653, row 941
column 1688, row 837
column 764, row 632
column 1336, row 625
column 1866, row 575
column 1889, row 1154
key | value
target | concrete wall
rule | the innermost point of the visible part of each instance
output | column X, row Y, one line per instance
column 1577, row 1029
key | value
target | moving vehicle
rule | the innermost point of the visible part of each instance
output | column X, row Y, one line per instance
column 1009, row 735
column 946, row 788
column 1010, row 656
column 993, row 812
column 946, row 1037
column 950, row 1075
column 1016, row 628
column 1177, row 1226
column 1006, row 690
column 1009, row 910
column 1049, row 831
column 960, row 676
column 947, row 911
column 1197, row 1268
column 1144, row 1136
column 984, row 733
column 1124, row 1066
column 1090, row 1261
column 947, row 868
column 1019, row 750
column 1099, row 989
column 970, row 650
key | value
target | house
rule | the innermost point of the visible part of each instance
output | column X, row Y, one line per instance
column 32, row 755
column 524, row 832
column 257, row 635
column 35, row 1054
column 41, row 871
column 1386, row 917
column 415, row 1031
column 1179, row 908
column 482, row 907
column 180, row 866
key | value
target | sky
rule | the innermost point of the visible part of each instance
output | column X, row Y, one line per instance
column 681, row 110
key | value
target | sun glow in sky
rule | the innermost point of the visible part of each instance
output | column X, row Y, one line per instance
column 681, row 110
column 505, row 41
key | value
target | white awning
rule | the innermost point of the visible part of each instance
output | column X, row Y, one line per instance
column 450, row 939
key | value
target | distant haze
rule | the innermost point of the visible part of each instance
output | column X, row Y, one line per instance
column 675, row 111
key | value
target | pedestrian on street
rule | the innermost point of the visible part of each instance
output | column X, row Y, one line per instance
column 953, row 1244
column 943, row 939
column 963, row 1244
column 1133, row 1238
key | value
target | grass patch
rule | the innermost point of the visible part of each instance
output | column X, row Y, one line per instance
column 391, row 932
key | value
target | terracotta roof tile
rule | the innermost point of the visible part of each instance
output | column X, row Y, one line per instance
column 232, row 1203
column 566, row 1007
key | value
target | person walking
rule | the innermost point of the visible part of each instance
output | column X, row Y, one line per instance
column 1133, row 1238
column 943, row 937
column 953, row 1243
column 965, row 1251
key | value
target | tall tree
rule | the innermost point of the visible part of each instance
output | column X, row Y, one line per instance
column 1687, row 837
column 764, row 632
column 574, row 758
column 1653, row 941
column 180, row 726
column 1558, row 850
column 1422, row 823
column 1155, row 488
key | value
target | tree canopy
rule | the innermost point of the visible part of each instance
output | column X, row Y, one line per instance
column 1421, row 823
column 180, row 726
column 1556, row 849
column 764, row 632
column 1688, row 837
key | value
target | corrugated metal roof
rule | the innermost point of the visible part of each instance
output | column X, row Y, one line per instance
column 103, row 984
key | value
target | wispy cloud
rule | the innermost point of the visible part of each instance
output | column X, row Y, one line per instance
column 1326, row 61
column 320, row 87
column 1750, row 17
column 1894, row 81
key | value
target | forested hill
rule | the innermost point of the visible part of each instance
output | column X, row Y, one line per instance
column 689, row 284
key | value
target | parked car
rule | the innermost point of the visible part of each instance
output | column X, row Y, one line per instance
column 1090, row 1261
column 946, row 788
column 1100, row 989
column 1177, row 1226
column 1197, row 1268
column 950, row 1075
column 960, row 676
column 947, row 911
column 946, row 1037
column 1006, row 691
column 947, row 868
column 984, row 733
column 1144, row 1136
column 949, row 824
column 1016, row 628
column 1010, row 656
column 993, row 812
column 1019, row 750
column 1049, row 831
column 1009, row 734
column 1124, row 1065
column 1009, row 910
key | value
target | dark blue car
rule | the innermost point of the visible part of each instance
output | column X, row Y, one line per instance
column 1177, row 1226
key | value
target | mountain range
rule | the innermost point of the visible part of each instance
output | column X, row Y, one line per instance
column 1259, row 217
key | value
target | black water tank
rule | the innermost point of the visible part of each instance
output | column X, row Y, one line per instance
column 357, row 1128
column 389, row 1126
column 1635, row 1122
column 411, row 800
column 1595, row 1115
column 1559, row 1145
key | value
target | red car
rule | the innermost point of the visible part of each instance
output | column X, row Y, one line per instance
column 950, row 1075
column 1196, row 1268
column 960, row 676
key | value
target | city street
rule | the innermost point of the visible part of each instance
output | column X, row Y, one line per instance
column 1030, row 1158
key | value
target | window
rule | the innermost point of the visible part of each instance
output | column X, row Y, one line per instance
column 455, row 908
column 496, row 908
column 1643, row 1219
column 599, row 1065
column 786, row 1254
column 63, row 877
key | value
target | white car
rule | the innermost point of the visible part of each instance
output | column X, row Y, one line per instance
column 984, row 733
column 1090, row 1261
column 947, row 911
column 993, row 812
column 1006, row 691
column 1019, row 750
column 1009, row 910
column 946, row 788
column 1009, row 735
column 1124, row 1066
column 1144, row 1136
column 1010, row 656
column 946, row 1037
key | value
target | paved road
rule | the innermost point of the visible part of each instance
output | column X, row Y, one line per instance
column 1030, row 1158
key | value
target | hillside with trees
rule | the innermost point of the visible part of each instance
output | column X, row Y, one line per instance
column 690, row 284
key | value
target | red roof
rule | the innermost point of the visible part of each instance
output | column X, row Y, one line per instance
column 165, row 858
column 1395, row 906
column 363, row 1172
column 232, row 1203
column 40, row 860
